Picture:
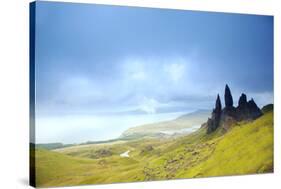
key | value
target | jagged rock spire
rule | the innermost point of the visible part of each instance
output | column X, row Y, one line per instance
column 214, row 122
column 242, row 100
column 230, row 115
column 252, row 103
column 228, row 97
column 218, row 103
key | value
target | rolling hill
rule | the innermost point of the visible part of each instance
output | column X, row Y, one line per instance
column 246, row 148
column 183, row 124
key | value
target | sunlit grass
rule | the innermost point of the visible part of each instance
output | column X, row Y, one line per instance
column 246, row 149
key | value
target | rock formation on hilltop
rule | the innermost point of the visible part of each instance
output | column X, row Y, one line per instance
column 229, row 115
column 215, row 119
column 228, row 97
column 247, row 110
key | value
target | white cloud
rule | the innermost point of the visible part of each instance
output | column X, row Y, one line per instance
column 158, row 78
column 78, row 89
column 175, row 71
column 134, row 69
column 148, row 105
column 139, row 75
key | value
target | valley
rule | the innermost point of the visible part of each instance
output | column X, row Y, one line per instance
column 247, row 148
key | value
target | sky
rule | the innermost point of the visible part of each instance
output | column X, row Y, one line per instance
column 98, row 65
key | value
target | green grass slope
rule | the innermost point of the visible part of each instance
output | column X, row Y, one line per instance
column 56, row 169
column 245, row 149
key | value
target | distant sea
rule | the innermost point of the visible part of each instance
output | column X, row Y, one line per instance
column 82, row 128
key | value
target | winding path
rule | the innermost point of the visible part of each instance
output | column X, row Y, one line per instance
column 125, row 154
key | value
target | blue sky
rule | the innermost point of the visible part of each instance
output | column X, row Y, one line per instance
column 113, row 60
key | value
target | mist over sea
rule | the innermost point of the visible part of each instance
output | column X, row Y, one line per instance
column 83, row 128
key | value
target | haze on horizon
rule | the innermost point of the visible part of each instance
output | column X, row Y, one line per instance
column 95, row 61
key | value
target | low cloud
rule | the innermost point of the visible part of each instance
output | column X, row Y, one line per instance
column 175, row 71
column 149, row 85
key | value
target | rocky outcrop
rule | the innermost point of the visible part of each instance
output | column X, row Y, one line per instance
column 247, row 110
column 242, row 100
column 213, row 123
column 229, row 115
column 228, row 97
column 267, row 108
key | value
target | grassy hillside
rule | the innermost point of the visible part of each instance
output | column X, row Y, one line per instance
column 52, row 146
column 246, row 149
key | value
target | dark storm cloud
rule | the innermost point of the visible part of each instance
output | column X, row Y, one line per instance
column 93, row 58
